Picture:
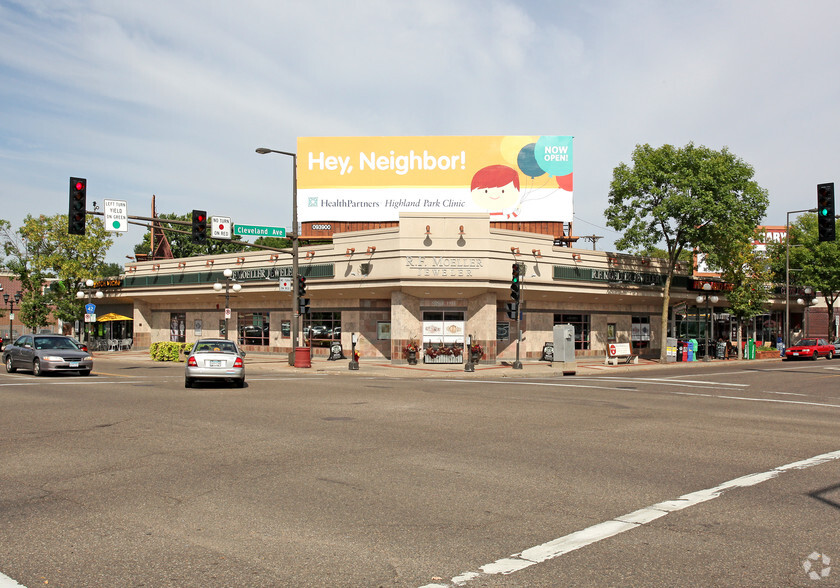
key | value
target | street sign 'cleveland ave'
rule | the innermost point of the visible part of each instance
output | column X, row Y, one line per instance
column 258, row 231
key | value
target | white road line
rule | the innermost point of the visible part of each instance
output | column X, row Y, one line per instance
column 772, row 400
column 561, row 545
column 70, row 382
column 704, row 382
column 784, row 393
column 7, row 582
column 681, row 383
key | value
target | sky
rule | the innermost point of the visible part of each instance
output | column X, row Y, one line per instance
column 172, row 97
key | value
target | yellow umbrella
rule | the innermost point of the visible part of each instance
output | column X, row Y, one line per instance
column 112, row 317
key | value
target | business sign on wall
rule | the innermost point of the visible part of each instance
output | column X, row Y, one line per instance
column 512, row 178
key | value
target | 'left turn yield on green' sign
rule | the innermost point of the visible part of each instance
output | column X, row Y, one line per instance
column 116, row 216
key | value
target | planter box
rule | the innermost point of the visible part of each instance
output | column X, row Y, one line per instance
column 767, row 354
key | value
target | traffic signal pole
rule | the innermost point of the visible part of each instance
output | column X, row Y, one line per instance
column 515, row 307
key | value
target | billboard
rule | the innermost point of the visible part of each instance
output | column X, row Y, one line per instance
column 371, row 179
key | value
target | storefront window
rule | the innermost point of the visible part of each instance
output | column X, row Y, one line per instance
column 581, row 324
column 322, row 328
column 285, row 329
column 253, row 328
column 178, row 327
column 443, row 336
column 640, row 333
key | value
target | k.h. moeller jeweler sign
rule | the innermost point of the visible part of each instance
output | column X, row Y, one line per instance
column 440, row 266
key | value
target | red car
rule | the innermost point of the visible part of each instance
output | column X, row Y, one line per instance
column 810, row 349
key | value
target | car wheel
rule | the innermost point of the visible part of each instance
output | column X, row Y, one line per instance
column 240, row 383
column 9, row 367
column 187, row 383
column 84, row 372
column 815, row 356
column 36, row 367
column 830, row 355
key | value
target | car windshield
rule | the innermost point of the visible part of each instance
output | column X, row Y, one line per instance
column 215, row 347
column 54, row 343
column 807, row 342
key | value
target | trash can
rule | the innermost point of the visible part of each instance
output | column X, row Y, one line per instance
column 671, row 352
column 303, row 357
column 681, row 350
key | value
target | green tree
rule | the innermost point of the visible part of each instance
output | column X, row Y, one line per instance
column 748, row 272
column 815, row 264
column 682, row 198
column 276, row 242
column 181, row 242
column 40, row 250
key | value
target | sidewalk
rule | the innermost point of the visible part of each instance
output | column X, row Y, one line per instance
column 586, row 366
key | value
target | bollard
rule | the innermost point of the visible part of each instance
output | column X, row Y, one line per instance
column 354, row 363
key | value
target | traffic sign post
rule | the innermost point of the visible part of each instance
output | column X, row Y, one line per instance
column 116, row 216
column 258, row 231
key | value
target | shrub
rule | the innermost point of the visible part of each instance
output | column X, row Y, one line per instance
column 168, row 351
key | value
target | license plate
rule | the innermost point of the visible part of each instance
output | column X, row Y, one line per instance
column 74, row 364
column 796, row 353
column 215, row 363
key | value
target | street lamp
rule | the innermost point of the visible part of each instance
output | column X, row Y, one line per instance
column 89, row 292
column 10, row 300
column 707, row 298
column 228, row 273
column 787, row 273
column 294, row 237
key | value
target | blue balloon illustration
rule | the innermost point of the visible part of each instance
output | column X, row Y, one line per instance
column 527, row 163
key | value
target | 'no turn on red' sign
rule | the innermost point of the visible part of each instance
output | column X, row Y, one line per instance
column 220, row 227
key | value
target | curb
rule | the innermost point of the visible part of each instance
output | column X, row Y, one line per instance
column 268, row 363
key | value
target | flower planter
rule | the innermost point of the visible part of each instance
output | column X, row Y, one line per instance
column 412, row 358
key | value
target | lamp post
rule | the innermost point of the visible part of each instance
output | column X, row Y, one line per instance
column 294, row 237
column 805, row 299
column 10, row 300
column 228, row 273
column 787, row 273
column 707, row 298
column 89, row 292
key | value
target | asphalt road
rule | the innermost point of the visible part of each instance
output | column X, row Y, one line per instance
column 125, row 478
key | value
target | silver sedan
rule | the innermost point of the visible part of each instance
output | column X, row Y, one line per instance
column 215, row 360
column 47, row 353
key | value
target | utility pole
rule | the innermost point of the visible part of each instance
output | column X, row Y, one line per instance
column 592, row 238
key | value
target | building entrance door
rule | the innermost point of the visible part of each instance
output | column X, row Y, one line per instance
column 443, row 336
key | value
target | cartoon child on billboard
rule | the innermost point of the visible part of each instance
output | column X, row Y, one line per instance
column 496, row 188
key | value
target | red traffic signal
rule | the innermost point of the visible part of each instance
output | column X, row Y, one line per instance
column 199, row 227
column 77, row 206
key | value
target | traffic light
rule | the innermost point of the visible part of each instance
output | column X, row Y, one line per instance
column 199, row 227
column 515, row 282
column 512, row 310
column 78, row 206
column 825, row 211
column 303, row 303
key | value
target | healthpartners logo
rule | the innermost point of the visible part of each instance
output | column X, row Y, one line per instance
column 817, row 566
